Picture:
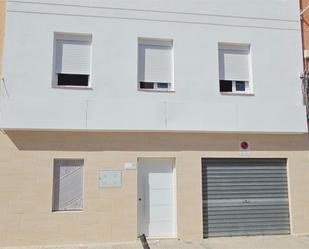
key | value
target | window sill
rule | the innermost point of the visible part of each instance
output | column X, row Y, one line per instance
column 156, row 90
column 73, row 87
column 68, row 211
column 237, row 94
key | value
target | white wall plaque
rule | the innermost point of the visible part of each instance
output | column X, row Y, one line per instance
column 130, row 166
column 245, row 153
column 110, row 179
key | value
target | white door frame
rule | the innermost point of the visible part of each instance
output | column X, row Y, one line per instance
column 140, row 209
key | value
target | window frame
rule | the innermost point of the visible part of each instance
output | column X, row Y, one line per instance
column 249, row 89
column 156, row 42
column 53, row 209
column 155, row 87
column 234, row 90
column 78, row 37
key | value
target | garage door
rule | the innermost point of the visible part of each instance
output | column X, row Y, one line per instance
column 245, row 197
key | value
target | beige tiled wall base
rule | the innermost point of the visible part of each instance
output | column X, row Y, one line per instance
column 110, row 214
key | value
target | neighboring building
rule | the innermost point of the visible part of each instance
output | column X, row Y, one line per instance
column 305, row 29
column 169, row 118
column 2, row 22
column 304, row 15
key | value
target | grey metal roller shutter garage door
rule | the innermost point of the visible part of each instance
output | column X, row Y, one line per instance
column 245, row 197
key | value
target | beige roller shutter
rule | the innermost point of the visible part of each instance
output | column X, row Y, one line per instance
column 68, row 184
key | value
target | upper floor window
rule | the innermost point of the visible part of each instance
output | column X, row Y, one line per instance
column 155, row 64
column 234, row 68
column 72, row 60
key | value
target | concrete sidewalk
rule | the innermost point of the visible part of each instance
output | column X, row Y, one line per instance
column 259, row 242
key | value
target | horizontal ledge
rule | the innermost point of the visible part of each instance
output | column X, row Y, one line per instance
column 154, row 131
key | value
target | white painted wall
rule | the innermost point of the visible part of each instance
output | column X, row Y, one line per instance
column 270, row 26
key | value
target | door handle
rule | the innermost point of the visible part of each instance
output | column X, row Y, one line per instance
column 139, row 199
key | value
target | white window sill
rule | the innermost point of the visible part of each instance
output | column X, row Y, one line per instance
column 237, row 94
column 68, row 211
column 157, row 90
column 73, row 87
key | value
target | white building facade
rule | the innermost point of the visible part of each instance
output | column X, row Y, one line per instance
column 165, row 118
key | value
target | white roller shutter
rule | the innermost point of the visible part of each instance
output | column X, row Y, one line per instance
column 234, row 64
column 73, row 57
column 68, row 184
column 155, row 63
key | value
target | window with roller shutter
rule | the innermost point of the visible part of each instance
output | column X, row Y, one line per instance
column 68, row 184
column 155, row 64
column 234, row 68
column 72, row 60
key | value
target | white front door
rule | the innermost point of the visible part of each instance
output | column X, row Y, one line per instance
column 156, row 197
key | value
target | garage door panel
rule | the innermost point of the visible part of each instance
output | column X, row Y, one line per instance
column 222, row 162
column 248, row 220
column 241, row 206
column 251, row 218
column 245, row 190
column 249, row 226
column 240, row 168
column 252, row 206
column 248, row 233
column 248, row 187
column 238, row 227
column 240, row 171
column 249, row 191
column 247, row 213
column 273, row 203
column 247, row 180
column 266, row 177
column 254, row 229
column 245, row 197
